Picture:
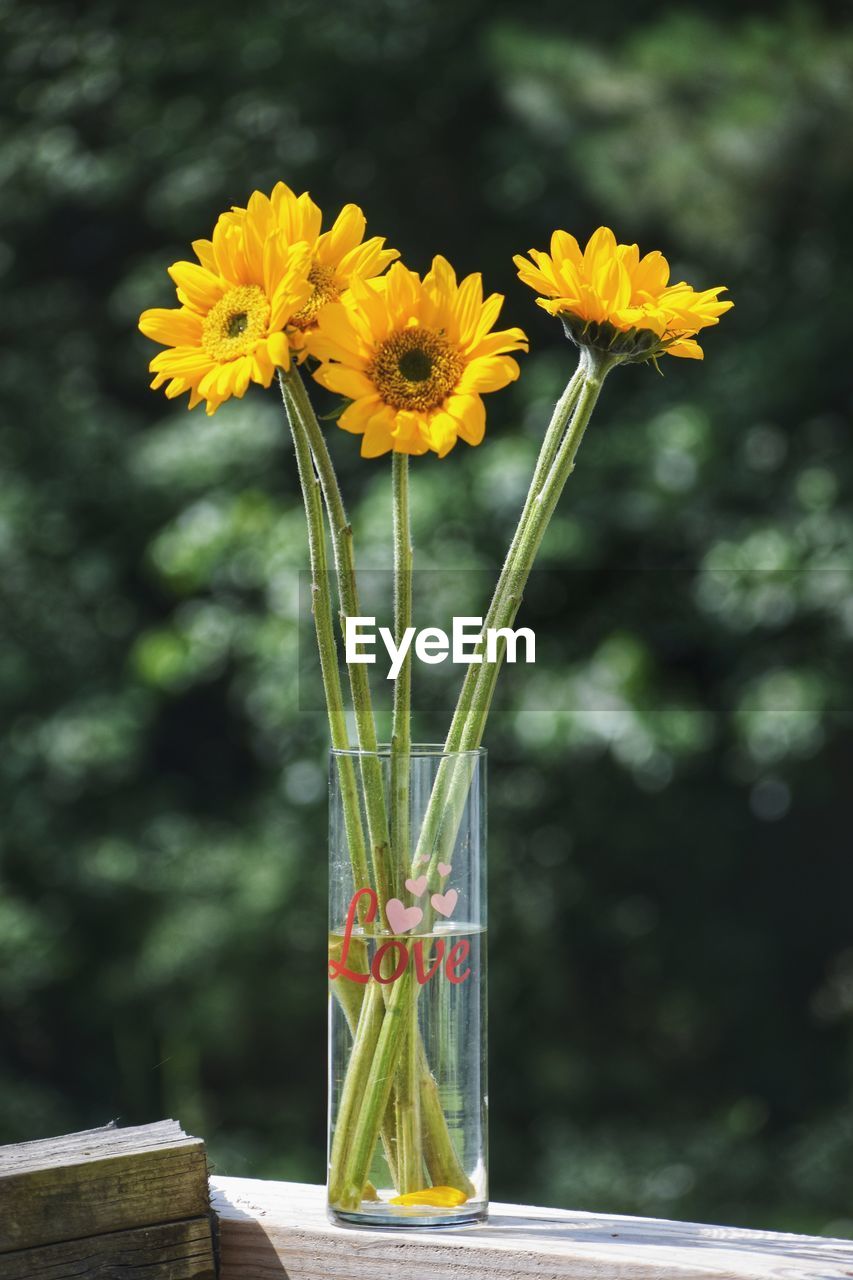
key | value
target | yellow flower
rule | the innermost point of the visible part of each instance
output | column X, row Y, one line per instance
column 247, row 286
column 610, row 298
column 414, row 356
column 338, row 255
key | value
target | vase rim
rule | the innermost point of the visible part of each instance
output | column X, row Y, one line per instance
column 418, row 750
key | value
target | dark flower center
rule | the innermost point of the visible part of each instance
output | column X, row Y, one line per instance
column 415, row 365
column 416, row 368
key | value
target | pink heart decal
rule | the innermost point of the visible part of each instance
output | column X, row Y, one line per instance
column 444, row 868
column 422, row 861
column 400, row 918
column 417, row 887
column 444, row 903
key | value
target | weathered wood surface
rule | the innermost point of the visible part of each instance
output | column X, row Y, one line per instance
column 272, row 1230
column 173, row 1251
column 85, row 1184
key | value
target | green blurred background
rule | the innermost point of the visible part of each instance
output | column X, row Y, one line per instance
column 671, row 951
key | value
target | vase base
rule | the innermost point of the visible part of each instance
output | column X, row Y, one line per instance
column 379, row 1216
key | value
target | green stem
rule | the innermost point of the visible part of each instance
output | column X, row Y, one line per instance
column 509, row 595
column 410, row 1163
column 506, row 602
column 374, row 795
column 401, row 736
column 456, row 737
column 321, row 608
column 547, row 454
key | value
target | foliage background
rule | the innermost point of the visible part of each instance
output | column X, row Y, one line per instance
column 671, row 953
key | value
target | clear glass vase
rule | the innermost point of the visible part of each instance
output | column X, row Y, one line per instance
column 407, row 987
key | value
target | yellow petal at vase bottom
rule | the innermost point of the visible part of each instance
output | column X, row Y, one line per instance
column 441, row 1197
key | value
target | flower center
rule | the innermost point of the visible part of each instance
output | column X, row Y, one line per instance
column 416, row 369
column 235, row 324
column 326, row 289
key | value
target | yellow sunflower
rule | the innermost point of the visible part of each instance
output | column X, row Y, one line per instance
column 236, row 302
column 338, row 255
column 610, row 298
column 414, row 357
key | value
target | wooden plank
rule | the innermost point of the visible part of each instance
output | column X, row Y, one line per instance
column 173, row 1251
column 272, row 1230
column 84, row 1184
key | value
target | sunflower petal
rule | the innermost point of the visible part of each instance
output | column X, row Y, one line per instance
column 278, row 350
column 174, row 327
column 336, row 336
column 344, row 381
column 377, row 439
column 469, row 304
column 686, row 347
column 499, row 341
column 443, row 433
column 402, row 292
column 487, row 373
column 469, row 412
column 345, row 234
column 197, row 287
column 367, row 260
column 203, row 250
column 565, row 246
column 357, row 415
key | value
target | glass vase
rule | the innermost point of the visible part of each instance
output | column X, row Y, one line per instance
column 407, row 987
